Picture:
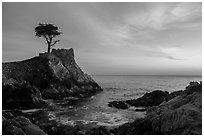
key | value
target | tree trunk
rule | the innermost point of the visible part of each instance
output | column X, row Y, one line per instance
column 48, row 49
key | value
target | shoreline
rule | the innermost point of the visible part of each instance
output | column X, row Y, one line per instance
column 78, row 127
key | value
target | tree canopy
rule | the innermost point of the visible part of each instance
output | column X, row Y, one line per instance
column 49, row 32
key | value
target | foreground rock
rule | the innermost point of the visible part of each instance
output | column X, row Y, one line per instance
column 148, row 99
column 180, row 115
column 98, row 131
column 25, row 84
column 19, row 126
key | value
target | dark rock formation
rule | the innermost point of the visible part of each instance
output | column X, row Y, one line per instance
column 118, row 104
column 147, row 100
column 98, row 131
column 21, row 95
column 140, row 109
column 19, row 125
column 180, row 115
column 138, row 127
column 47, row 76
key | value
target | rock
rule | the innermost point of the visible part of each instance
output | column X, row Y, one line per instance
column 118, row 104
column 98, row 131
column 138, row 127
column 153, row 98
column 179, row 116
column 11, row 129
column 7, row 115
column 148, row 99
column 141, row 109
column 50, row 93
column 52, row 75
column 19, row 126
column 21, row 96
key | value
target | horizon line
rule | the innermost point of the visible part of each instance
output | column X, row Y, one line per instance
column 144, row 75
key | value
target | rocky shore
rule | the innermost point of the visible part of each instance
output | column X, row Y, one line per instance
column 179, row 116
column 31, row 83
column 178, row 113
column 153, row 98
column 32, row 88
column 19, row 125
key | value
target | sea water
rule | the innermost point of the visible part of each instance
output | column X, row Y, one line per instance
column 94, row 111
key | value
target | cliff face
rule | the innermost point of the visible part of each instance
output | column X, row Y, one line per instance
column 47, row 76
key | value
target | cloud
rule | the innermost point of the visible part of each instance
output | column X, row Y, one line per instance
column 173, row 58
column 187, row 11
column 120, row 35
column 164, row 16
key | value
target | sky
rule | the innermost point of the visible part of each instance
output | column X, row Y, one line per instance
column 111, row 38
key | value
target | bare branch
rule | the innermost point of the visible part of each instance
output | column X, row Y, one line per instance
column 46, row 38
column 50, row 38
column 54, row 42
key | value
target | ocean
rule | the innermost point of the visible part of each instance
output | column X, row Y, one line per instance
column 94, row 111
column 128, row 87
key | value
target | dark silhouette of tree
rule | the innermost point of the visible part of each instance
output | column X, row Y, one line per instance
column 49, row 32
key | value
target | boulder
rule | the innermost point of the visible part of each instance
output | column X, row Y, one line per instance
column 118, row 104
column 19, row 126
column 21, row 96
column 101, row 130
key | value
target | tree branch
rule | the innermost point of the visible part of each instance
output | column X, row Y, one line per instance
column 46, row 39
column 54, row 43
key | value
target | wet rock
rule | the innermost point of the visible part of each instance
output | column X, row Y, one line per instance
column 153, row 98
column 140, row 109
column 98, row 131
column 181, row 115
column 138, row 127
column 118, row 104
column 19, row 126
column 148, row 99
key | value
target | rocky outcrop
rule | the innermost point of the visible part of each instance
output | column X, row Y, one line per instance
column 21, row 95
column 47, row 76
column 98, row 131
column 148, row 99
column 19, row 125
column 118, row 104
column 180, row 115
